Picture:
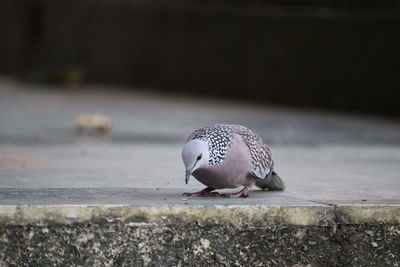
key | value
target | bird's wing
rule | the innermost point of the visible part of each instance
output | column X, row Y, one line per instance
column 259, row 152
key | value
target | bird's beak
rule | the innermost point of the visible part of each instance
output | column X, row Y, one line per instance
column 187, row 174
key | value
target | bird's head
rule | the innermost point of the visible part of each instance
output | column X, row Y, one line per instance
column 195, row 155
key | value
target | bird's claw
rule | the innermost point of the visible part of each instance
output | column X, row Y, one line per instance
column 208, row 192
column 242, row 193
column 204, row 193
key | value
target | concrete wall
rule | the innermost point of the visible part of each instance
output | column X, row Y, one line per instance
column 194, row 235
column 336, row 54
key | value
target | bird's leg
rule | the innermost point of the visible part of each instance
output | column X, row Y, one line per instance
column 241, row 193
column 206, row 192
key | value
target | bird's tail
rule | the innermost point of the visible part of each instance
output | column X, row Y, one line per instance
column 273, row 182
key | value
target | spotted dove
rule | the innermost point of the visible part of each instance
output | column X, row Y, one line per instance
column 229, row 156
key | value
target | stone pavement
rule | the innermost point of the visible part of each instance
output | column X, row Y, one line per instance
column 322, row 156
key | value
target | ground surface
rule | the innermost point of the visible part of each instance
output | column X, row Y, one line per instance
column 321, row 156
column 75, row 199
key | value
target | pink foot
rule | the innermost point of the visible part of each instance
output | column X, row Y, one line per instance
column 241, row 193
column 206, row 192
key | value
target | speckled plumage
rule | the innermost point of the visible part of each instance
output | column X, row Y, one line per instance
column 219, row 137
column 229, row 156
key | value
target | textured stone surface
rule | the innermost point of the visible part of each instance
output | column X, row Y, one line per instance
column 105, row 243
column 233, row 214
column 190, row 235
column 368, row 213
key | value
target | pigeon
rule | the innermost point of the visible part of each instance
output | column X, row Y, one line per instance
column 229, row 156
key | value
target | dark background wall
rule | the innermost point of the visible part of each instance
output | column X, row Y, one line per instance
column 332, row 54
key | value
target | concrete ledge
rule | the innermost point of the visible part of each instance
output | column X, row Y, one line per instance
column 167, row 206
column 232, row 214
column 191, row 232
column 356, row 213
column 192, row 236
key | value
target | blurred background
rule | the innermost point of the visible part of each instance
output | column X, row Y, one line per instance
column 342, row 55
column 97, row 93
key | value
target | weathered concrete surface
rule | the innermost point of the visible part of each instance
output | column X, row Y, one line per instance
column 177, row 231
column 231, row 214
column 81, row 200
column 138, row 197
column 190, row 235
column 256, row 215
column 115, row 243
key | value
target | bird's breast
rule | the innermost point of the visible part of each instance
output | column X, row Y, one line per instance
column 232, row 172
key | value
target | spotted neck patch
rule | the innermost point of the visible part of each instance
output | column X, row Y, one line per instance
column 218, row 139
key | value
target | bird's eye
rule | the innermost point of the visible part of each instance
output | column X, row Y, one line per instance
column 199, row 157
